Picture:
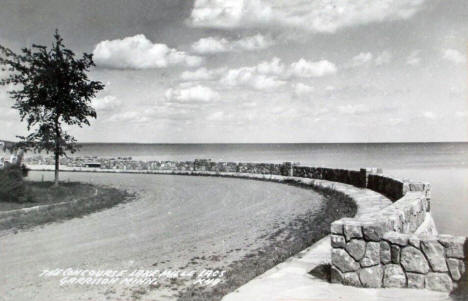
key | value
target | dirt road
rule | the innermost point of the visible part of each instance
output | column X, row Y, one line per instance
column 178, row 223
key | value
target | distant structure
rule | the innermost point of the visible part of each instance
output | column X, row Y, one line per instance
column 93, row 164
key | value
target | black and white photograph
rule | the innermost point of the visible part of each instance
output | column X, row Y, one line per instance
column 233, row 150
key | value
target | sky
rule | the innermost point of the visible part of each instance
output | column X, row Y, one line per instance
column 258, row 71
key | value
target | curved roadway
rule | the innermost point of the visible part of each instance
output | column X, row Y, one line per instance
column 178, row 222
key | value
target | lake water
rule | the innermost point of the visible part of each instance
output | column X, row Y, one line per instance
column 444, row 165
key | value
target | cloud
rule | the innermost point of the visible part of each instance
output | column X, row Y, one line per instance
column 220, row 116
column 385, row 57
column 414, row 58
column 429, row 115
column 129, row 116
column 228, row 13
column 454, row 56
column 301, row 89
column 260, row 77
column 353, row 109
column 249, row 77
column 307, row 69
column 196, row 93
column 312, row 15
column 274, row 74
column 138, row 52
column 255, row 42
column 273, row 67
column 106, row 103
column 202, row 74
column 361, row 59
column 212, row 45
column 366, row 58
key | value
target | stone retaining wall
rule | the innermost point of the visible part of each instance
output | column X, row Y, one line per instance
column 393, row 246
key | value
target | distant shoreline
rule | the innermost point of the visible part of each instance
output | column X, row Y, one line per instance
column 263, row 143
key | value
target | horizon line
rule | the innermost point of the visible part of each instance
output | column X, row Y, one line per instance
column 319, row 142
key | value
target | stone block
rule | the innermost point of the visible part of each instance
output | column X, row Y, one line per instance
column 352, row 279
column 456, row 268
column 372, row 255
column 356, row 248
column 439, row 282
column 337, row 241
column 373, row 230
column 415, row 280
column 371, row 277
column 343, row 261
column 455, row 246
column 434, row 252
column 397, row 238
column 352, row 229
column 337, row 227
column 414, row 260
column 385, row 254
column 335, row 275
column 414, row 241
column 394, row 276
column 395, row 254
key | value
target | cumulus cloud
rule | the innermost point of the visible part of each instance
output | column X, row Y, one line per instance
column 361, row 59
column 255, row 42
column 414, row 58
column 366, row 58
column 273, row 67
column 429, row 115
column 313, row 15
column 301, row 89
column 249, row 77
column 137, row 52
column 212, row 45
column 273, row 74
column 106, row 103
column 385, row 57
column 304, row 68
column 260, row 77
column 129, row 116
column 454, row 56
column 228, row 13
column 196, row 93
column 202, row 74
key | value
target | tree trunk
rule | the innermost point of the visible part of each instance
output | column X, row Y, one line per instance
column 57, row 152
column 56, row 179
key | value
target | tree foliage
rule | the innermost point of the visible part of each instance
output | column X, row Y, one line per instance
column 51, row 89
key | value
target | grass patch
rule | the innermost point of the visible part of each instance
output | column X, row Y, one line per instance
column 43, row 193
column 47, row 203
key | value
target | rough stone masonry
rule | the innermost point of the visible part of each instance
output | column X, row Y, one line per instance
column 397, row 246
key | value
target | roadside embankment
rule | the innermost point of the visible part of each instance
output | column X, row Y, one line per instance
column 48, row 204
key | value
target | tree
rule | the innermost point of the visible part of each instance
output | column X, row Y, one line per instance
column 53, row 90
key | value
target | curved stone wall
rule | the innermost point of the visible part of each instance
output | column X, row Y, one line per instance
column 386, row 245
column 397, row 246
